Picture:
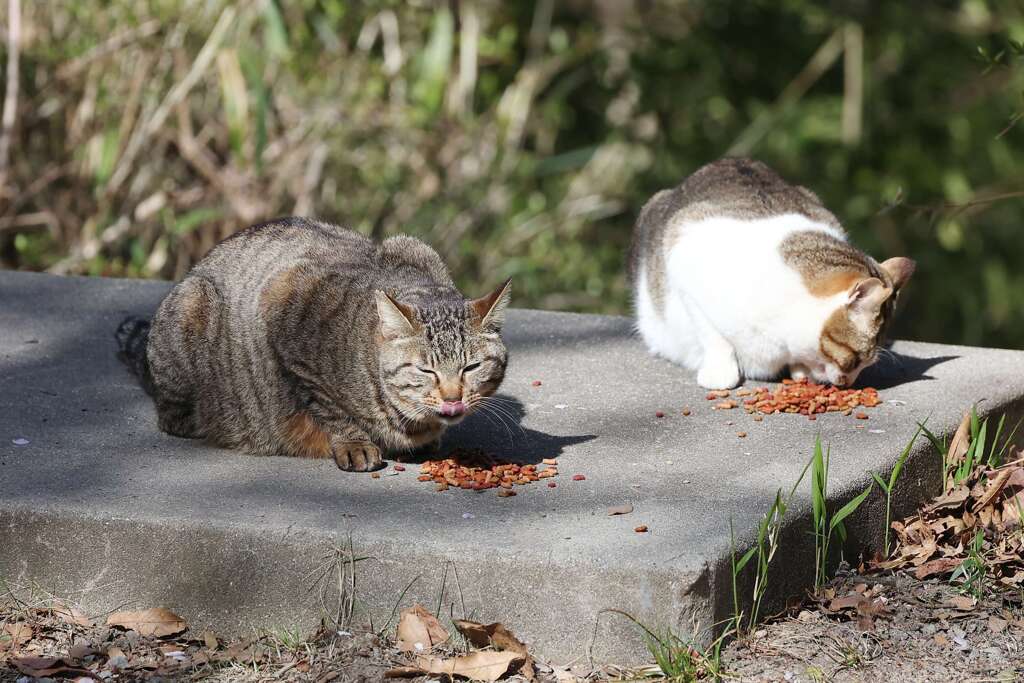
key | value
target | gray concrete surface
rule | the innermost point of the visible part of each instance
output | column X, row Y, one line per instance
column 102, row 508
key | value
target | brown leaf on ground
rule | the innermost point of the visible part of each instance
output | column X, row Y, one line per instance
column 497, row 636
column 962, row 602
column 620, row 510
column 155, row 621
column 17, row 633
column 478, row 666
column 70, row 615
column 419, row 630
column 951, row 499
column 995, row 487
column 39, row 667
column 960, row 443
column 939, row 566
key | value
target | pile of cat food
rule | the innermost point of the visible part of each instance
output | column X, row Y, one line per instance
column 475, row 470
column 799, row 396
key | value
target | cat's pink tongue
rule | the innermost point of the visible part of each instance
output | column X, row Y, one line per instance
column 453, row 408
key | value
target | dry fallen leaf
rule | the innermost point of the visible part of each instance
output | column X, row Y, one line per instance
column 620, row 510
column 18, row 633
column 497, row 636
column 962, row 602
column 70, row 615
column 419, row 630
column 39, row 667
column 961, row 441
column 939, row 566
column 155, row 621
column 478, row 666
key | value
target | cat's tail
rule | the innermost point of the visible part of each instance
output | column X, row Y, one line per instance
column 132, row 335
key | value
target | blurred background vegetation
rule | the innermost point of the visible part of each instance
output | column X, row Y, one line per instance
column 518, row 138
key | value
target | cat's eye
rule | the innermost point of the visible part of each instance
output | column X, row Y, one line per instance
column 471, row 367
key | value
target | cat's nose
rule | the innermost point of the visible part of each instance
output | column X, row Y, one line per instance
column 453, row 408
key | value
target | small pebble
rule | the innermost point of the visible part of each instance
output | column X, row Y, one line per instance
column 686, row 411
column 20, row 442
column 468, row 515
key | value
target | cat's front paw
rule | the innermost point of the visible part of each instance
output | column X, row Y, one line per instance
column 357, row 456
column 718, row 375
column 799, row 372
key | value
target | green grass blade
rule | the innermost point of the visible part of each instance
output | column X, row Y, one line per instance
column 849, row 508
column 881, row 482
column 898, row 467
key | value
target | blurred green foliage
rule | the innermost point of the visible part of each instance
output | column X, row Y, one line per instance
column 521, row 138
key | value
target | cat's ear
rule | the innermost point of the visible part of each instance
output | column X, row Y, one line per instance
column 868, row 295
column 899, row 269
column 489, row 310
column 396, row 319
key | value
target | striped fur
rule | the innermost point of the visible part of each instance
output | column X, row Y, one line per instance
column 276, row 344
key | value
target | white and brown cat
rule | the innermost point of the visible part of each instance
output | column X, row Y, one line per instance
column 736, row 273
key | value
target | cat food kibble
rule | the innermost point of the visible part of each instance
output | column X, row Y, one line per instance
column 807, row 398
column 475, row 470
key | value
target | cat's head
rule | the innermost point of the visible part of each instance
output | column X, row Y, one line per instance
column 439, row 360
column 853, row 333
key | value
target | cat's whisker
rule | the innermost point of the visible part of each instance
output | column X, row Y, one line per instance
column 497, row 408
column 501, row 420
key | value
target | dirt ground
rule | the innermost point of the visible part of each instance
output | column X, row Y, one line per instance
column 862, row 628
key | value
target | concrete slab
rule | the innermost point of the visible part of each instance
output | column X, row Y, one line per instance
column 100, row 507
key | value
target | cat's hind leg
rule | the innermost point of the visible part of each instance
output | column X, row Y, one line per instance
column 718, row 367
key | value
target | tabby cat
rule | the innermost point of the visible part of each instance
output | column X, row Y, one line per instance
column 736, row 273
column 301, row 338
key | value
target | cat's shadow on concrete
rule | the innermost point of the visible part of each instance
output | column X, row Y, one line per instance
column 497, row 429
column 893, row 369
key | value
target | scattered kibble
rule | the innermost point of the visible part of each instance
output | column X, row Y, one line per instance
column 552, row 484
column 399, row 468
column 742, row 435
column 758, row 418
column 725, row 405
column 658, row 413
column 686, row 412
column 807, row 398
column 375, row 475
column 578, row 477
column 642, row 529
column 537, row 383
column 475, row 470
column 717, row 394
column 861, row 416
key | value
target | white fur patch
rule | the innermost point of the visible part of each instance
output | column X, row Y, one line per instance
column 728, row 288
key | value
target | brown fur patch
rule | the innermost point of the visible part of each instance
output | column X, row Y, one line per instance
column 305, row 439
column 195, row 312
column 824, row 284
column 279, row 292
column 841, row 343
